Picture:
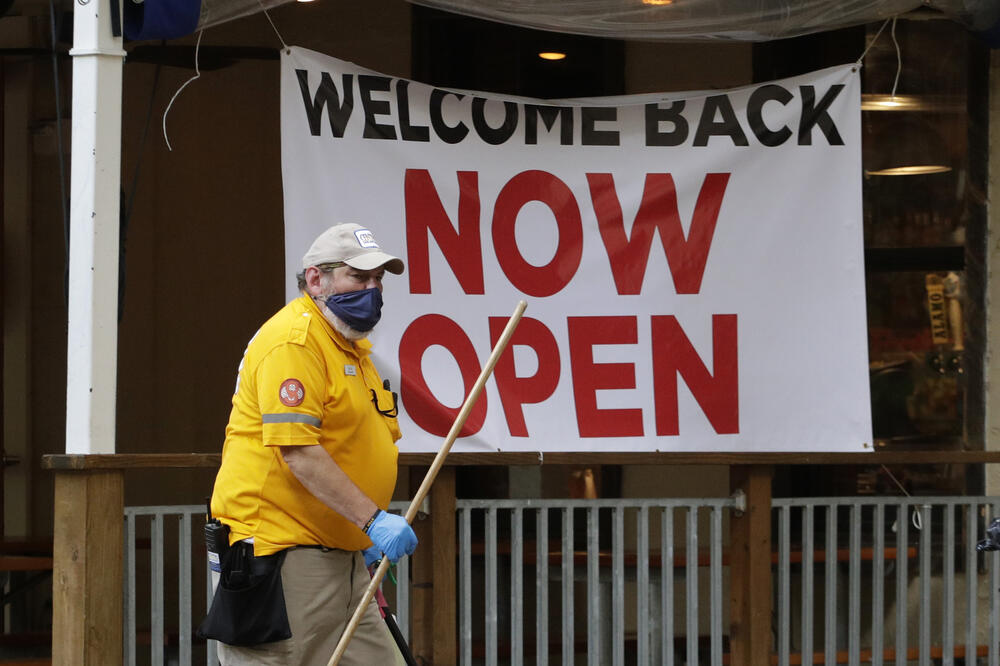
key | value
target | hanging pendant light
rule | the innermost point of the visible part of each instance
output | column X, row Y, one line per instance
column 906, row 145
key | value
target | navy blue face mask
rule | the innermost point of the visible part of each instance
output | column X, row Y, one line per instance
column 360, row 310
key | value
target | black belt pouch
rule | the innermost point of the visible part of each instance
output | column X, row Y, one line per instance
column 249, row 603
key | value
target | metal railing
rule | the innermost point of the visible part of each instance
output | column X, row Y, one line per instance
column 164, row 528
column 942, row 603
column 646, row 581
column 151, row 520
column 600, row 550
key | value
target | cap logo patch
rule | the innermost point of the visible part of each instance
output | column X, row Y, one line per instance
column 291, row 393
column 365, row 238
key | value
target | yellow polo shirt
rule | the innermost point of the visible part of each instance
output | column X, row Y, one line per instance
column 301, row 383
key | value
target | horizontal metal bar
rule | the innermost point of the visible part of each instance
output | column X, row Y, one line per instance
column 165, row 510
column 876, row 501
column 199, row 509
column 528, row 503
column 724, row 502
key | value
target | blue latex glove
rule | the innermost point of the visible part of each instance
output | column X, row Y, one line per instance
column 392, row 535
column 372, row 555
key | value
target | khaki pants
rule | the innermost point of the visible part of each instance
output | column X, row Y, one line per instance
column 322, row 590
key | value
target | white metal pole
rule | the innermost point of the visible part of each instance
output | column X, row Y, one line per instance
column 92, row 352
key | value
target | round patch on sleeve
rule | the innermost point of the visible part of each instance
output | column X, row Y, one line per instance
column 291, row 393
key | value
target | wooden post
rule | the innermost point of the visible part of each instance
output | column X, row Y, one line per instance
column 422, row 583
column 433, row 626
column 750, row 567
column 445, row 548
column 87, row 568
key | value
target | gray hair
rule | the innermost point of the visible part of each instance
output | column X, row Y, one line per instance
column 326, row 269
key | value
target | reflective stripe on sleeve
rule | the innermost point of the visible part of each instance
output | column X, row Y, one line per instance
column 289, row 417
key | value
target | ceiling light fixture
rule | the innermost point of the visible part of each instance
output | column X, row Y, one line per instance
column 551, row 55
column 914, row 170
column 657, row 3
column 929, row 103
column 909, row 146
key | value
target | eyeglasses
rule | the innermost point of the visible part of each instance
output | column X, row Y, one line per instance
column 391, row 413
column 326, row 268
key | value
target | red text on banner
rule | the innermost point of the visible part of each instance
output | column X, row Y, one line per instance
column 627, row 255
column 421, row 405
column 672, row 355
column 657, row 212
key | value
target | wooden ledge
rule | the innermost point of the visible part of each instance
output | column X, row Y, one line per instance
column 125, row 461
column 720, row 458
column 122, row 461
column 24, row 563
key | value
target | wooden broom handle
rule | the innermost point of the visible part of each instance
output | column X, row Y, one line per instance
column 432, row 473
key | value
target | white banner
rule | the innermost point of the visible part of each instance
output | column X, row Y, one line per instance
column 693, row 263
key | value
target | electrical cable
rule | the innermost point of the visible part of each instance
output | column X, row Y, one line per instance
column 197, row 75
column 915, row 517
column 63, row 199
column 899, row 59
column 871, row 43
column 142, row 139
column 268, row 15
column 899, row 54
column 126, row 206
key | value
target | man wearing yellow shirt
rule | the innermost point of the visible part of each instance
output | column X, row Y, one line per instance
column 308, row 466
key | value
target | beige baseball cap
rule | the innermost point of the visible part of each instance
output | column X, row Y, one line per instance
column 353, row 245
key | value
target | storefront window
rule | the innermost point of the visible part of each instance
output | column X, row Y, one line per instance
column 924, row 144
column 924, row 223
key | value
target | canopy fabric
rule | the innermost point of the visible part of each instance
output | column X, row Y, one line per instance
column 700, row 20
column 671, row 20
column 215, row 12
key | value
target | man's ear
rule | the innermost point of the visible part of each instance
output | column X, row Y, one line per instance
column 313, row 278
